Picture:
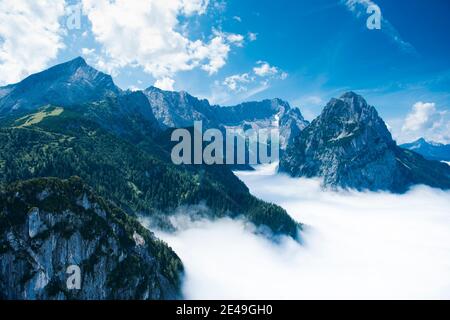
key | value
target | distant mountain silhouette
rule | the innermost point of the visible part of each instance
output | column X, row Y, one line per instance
column 429, row 150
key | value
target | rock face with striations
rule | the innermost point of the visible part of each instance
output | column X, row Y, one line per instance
column 349, row 146
column 47, row 225
column 180, row 110
column 266, row 114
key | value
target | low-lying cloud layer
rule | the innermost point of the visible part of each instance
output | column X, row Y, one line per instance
column 357, row 245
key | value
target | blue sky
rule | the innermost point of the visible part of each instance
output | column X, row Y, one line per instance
column 230, row 51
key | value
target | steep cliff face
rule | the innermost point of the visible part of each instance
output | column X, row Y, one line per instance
column 266, row 114
column 47, row 225
column 349, row 146
column 179, row 109
column 291, row 124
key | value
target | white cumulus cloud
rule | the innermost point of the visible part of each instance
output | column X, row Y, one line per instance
column 237, row 39
column 264, row 69
column 165, row 84
column 240, row 87
column 237, row 82
column 31, row 35
column 87, row 52
column 426, row 121
column 421, row 117
column 147, row 34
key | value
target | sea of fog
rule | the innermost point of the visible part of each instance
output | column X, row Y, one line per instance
column 356, row 246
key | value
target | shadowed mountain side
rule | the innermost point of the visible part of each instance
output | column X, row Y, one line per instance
column 49, row 224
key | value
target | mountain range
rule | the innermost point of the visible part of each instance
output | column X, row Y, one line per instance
column 180, row 110
column 71, row 122
column 69, row 134
column 109, row 138
column 429, row 150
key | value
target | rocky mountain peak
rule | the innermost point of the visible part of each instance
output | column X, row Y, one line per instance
column 70, row 83
column 349, row 146
column 421, row 141
column 279, row 103
column 178, row 109
column 153, row 89
column 78, row 61
column 72, row 65
column 70, row 72
column 424, row 142
column 349, row 107
column 351, row 116
column 352, row 97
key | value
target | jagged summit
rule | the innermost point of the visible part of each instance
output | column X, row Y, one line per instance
column 155, row 89
column 421, row 141
column 178, row 109
column 76, row 84
column 349, row 146
column 77, row 61
column 424, row 142
column 351, row 95
column 76, row 69
column 350, row 107
column 351, row 116
column 354, row 99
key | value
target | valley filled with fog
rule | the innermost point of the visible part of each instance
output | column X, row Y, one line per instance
column 355, row 245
